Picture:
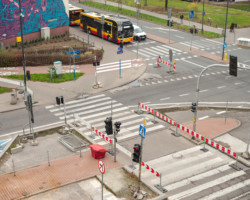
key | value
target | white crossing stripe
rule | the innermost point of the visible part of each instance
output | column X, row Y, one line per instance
column 202, row 187
column 227, row 190
column 141, row 53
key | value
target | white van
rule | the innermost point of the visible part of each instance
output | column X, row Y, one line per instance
column 139, row 33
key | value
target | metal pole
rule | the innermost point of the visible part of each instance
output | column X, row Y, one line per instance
column 169, row 32
column 102, row 186
column 65, row 118
column 48, row 158
column 248, row 143
column 137, row 48
column 14, row 171
column 74, row 65
column 88, row 41
column 111, row 108
column 120, row 70
column 202, row 18
column 114, row 146
column 226, row 112
column 139, row 181
column 197, row 89
column 23, row 56
column 225, row 31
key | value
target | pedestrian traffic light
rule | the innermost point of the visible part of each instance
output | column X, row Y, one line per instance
column 96, row 62
column 191, row 30
column 137, row 153
column 59, row 100
column 193, row 107
column 109, row 126
column 117, row 126
column 233, row 65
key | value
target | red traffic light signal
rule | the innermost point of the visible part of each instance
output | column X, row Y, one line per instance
column 137, row 153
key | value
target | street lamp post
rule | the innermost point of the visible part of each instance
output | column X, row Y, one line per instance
column 197, row 90
column 225, row 31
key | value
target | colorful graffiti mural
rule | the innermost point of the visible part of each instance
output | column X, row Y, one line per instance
column 37, row 14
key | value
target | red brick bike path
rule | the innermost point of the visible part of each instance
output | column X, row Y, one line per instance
column 43, row 177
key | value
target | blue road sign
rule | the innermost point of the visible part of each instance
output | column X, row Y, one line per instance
column 77, row 56
column 78, row 51
column 191, row 14
column 119, row 52
column 142, row 131
column 203, row 13
column 224, row 45
column 70, row 52
column 120, row 49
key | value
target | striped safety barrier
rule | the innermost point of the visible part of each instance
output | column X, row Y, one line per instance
column 187, row 130
column 163, row 62
column 102, row 135
column 150, row 169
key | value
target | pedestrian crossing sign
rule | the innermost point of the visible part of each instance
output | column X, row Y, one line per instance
column 142, row 131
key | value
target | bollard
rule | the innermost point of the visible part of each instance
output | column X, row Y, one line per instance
column 14, row 171
column 174, row 67
column 204, row 148
column 159, row 186
column 176, row 134
column 225, row 57
column 48, row 159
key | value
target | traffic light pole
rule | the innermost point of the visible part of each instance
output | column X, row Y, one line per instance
column 114, row 145
column 225, row 31
column 139, row 181
column 65, row 118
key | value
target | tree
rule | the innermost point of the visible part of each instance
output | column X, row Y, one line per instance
column 166, row 4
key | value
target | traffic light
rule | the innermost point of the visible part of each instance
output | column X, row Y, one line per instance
column 193, row 108
column 59, row 100
column 137, row 153
column 109, row 126
column 96, row 62
column 191, row 30
column 117, row 126
column 233, row 65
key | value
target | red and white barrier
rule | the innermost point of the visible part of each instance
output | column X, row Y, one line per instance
column 187, row 130
column 163, row 62
column 102, row 135
column 150, row 168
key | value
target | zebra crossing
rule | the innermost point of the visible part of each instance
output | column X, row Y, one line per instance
column 206, row 44
column 94, row 110
column 153, row 52
column 193, row 174
column 125, row 64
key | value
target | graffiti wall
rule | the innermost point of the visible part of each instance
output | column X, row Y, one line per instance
column 37, row 14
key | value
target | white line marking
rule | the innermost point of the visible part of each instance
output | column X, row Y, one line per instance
column 221, row 112
column 181, row 95
column 221, row 87
column 194, row 64
column 201, row 118
column 203, row 90
column 179, row 36
column 164, row 98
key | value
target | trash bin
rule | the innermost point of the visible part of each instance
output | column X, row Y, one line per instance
column 28, row 74
column 13, row 99
column 97, row 151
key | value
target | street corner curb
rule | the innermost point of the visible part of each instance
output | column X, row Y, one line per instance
column 220, row 134
column 244, row 161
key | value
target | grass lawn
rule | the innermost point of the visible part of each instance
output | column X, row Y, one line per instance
column 147, row 17
column 4, row 89
column 46, row 77
column 217, row 14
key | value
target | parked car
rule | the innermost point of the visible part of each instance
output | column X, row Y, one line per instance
column 139, row 33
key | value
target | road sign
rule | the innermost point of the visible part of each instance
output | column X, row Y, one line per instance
column 101, row 166
column 203, row 13
column 224, row 45
column 144, row 122
column 191, row 14
column 78, row 51
column 142, row 131
column 70, row 52
column 169, row 13
column 77, row 56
